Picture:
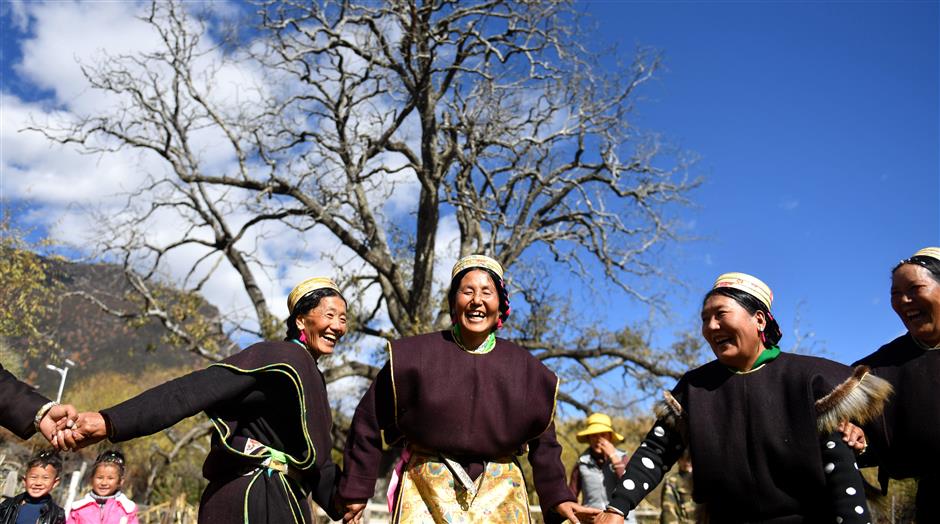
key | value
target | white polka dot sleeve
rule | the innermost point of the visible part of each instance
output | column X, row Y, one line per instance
column 844, row 481
column 656, row 454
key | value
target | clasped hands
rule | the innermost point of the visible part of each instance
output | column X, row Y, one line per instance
column 68, row 430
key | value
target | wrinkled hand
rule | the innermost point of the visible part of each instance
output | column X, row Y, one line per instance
column 608, row 449
column 608, row 518
column 62, row 415
column 853, row 436
column 575, row 512
column 89, row 428
column 354, row 511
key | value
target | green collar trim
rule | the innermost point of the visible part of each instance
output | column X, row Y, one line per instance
column 482, row 349
column 765, row 356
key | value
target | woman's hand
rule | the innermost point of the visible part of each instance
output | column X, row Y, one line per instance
column 853, row 436
column 89, row 428
column 354, row 510
column 575, row 512
column 608, row 449
column 608, row 518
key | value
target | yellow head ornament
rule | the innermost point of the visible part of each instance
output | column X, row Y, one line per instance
column 749, row 284
column 932, row 252
column 477, row 261
column 308, row 286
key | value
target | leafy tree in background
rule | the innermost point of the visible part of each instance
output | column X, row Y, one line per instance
column 28, row 297
column 492, row 113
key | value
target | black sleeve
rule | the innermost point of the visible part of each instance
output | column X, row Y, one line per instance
column 657, row 453
column 18, row 405
column 322, row 487
column 162, row 406
column 843, row 481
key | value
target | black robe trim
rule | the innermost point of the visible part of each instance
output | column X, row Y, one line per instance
column 225, row 432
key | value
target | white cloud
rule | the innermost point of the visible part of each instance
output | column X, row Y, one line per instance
column 789, row 204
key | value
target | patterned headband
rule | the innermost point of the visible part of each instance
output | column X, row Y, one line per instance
column 749, row 284
column 482, row 261
column 932, row 252
column 308, row 286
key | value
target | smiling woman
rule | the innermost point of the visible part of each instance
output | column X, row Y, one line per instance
column 778, row 456
column 272, row 420
column 905, row 442
column 463, row 403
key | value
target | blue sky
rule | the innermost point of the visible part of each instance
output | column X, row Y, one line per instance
column 816, row 124
column 818, row 128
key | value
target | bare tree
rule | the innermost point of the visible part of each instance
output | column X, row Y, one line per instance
column 489, row 111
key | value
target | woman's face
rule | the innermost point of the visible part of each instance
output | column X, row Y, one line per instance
column 323, row 325
column 915, row 297
column 731, row 331
column 107, row 480
column 476, row 305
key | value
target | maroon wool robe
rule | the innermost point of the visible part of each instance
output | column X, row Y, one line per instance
column 472, row 407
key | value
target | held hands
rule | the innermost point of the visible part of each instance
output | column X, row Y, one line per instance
column 354, row 510
column 87, row 428
column 853, row 436
column 576, row 513
column 64, row 414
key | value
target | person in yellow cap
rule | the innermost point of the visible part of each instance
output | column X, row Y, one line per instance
column 463, row 403
column 905, row 442
column 760, row 425
column 599, row 468
column 270, row 412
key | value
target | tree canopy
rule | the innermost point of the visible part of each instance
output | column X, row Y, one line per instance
column 381, row 141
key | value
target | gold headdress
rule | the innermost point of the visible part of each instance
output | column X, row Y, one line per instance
column 308, row 286
column 477, row 261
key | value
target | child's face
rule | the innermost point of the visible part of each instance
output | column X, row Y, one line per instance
column 106, row 480
column 40, row 480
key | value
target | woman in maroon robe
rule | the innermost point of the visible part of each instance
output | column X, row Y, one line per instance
column 905, row 442
column 464, row 404
column 271, row 445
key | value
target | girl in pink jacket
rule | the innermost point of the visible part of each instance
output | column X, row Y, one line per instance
column 105, row 504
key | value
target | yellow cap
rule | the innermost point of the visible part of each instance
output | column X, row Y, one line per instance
column 747, row 283
column 932, row 252
column 477, row 261
column 599, row 423
column 308, row 286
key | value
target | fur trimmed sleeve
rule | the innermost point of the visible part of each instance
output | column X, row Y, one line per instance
column 860, row 398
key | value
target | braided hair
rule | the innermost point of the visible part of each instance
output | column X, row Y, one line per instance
column 504, row 308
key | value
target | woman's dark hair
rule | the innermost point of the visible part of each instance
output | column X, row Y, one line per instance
column 305, row 304
column 111, row 457
column 931, row 264
column 752, row 305
column 500, row 291
column 46, row 457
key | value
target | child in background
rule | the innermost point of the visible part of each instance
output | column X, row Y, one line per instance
column 105, row 504
column 35, row 505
